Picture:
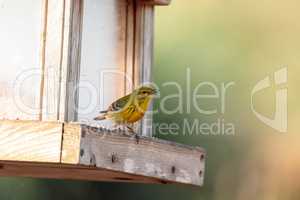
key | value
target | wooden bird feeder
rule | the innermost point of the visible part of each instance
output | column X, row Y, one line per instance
column 61, row 62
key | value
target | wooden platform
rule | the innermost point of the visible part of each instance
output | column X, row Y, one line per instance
column 75, row 151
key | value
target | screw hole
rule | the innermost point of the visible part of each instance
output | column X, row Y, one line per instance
column 173, row 169
column 202, row 157
column 81, row 152
column 200, row 173
column 113, row 158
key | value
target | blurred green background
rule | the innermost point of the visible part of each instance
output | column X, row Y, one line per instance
column 219, row 41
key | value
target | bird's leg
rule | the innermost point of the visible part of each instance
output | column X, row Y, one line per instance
column 127, row 130
column 137, row 138
column 130, row 127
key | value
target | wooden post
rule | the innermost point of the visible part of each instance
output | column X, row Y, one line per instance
column 61, row 60
column 141, row 25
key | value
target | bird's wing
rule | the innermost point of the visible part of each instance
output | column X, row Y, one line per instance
column 119, row 104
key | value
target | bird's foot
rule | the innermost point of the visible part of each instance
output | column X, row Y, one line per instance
column 133, row 134
column 137, row 138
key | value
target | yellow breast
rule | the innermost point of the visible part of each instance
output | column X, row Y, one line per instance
column 134, row 113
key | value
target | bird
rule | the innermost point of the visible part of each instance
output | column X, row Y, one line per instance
column 131, row 108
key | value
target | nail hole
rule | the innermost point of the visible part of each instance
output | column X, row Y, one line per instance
column 81, row 152
column 202, row 157
column 113, row 158
column 200, row 173
column 93, row 160
column 173, row 169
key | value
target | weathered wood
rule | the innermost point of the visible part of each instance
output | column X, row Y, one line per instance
column 130, row 82
column 156, row 2
column 65, row 55
column 30, row 141
column 143, row 56
column 147, row 157
column 74, row 61
column 111, row 155
column 52, row 68
column 127, row 39
column 103, row 52
column 59, row 61
column 71, row 144
column 125, row 62
column 71, row 172
column 44, row 23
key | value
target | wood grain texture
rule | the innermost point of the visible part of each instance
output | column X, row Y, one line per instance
column 90, row 153
column 53, row 59
column 61, row 112
column 74, row 59
column 30, row 141
column 71, row 172
column 147, row 69
column 61, row 68
column 143, row 56
column 71, row 144
column 126, row 60
column 130, row 38
column 43, row 55
column 103, row 53
column 156, row 2
column 148, row 157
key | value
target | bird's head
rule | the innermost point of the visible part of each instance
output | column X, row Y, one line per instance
column 146, row 91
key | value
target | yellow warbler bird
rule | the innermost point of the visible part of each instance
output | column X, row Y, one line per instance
column 130, row 108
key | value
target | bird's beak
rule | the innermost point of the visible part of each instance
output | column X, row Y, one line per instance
column 155, row 92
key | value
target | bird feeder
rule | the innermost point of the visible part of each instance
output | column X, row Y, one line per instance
column 62, row 62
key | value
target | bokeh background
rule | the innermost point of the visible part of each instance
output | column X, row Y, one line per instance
column 220, row 41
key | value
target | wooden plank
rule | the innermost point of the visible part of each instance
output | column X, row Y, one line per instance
column 102, row 77
column 89, row 153
column 43, row 56
column 61, row 112
column 156, row 2
column 30, row 141
column 144, row 33
column 71, row 172
column 53, row 59
column 74, row 60
column 130, row 82
column 61, row 68
column 71, row 144
column 148, row 157
column 128, row 41
column 146, row 72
